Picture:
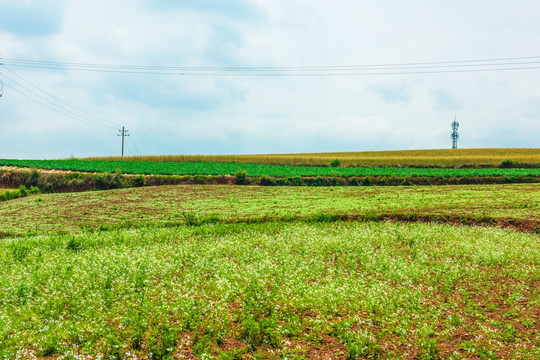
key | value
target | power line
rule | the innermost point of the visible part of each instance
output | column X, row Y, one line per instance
column 134, row 145
column 52, row 108
column 54, row 105
column 96, row 119
column 475, row 65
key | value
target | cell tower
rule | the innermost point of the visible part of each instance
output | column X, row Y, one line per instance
column 455, row 135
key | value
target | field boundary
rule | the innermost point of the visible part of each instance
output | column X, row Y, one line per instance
column 50, row 181
column 189, row 219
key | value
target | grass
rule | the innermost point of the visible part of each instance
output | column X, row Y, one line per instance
column 237, row 272
column 22, row 191
column 492, row 157
column 176, row 205
column 275, row 290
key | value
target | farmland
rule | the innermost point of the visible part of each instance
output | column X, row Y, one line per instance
column 257, row 170
column 268, row 272
column 171, row 205
column 277, row 290
column 454, row 157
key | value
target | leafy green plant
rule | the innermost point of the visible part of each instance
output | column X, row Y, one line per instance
column 23, row 191
column 139, row 181
column 508, row 163
column 240, row 177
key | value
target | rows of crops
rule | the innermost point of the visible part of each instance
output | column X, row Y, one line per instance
column 272, row 291
column 214, row 168
column 438, row 157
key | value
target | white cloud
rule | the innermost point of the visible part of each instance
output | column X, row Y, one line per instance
column 206, row 114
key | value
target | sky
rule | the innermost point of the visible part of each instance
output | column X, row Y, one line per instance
column 315, row 97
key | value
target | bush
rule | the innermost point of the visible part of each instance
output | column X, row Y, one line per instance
column 294, row 180
column 108, row 181
column 267, row 181
column 240, row 178
column 335, row 163
column 354, row 181
column 139, row 181
column 23, row 191
column 8, row 195
column 367, row 181
column 508, row 163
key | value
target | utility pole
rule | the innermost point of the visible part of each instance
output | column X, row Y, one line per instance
column 123, row 133
column 455, row 135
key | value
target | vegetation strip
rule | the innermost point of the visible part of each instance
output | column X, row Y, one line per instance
column 447, row 157
column 509, row 204
column 296, row 291
column 67, row 181
column 258, row 170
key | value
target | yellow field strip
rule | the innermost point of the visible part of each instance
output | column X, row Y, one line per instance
column 405, row 157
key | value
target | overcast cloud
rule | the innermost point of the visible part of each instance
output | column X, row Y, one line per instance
column 189, row 114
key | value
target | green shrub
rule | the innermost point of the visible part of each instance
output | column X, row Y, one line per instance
column 294, row 180
column 508, row 163
column 9, row 195
column 354, row 181
column 335, row 163
column 23, row 191
column 367, row 181
column 267, row 180
column 108, row 181
column 200, row 179
column 34, row 178
column 240, row 178
column 139, row 181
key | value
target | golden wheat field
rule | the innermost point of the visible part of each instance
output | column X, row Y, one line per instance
column 383, row 158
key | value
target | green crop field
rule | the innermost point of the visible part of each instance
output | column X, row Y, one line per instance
column 256, row 170
column 258, row 272
column 280, row 290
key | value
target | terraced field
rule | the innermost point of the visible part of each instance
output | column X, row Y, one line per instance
column 257, row 170
column 262, row 272
column 517, row 204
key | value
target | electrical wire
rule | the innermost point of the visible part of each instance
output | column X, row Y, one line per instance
column 134, row 145
column 84, row 114
column 53, row 105
column 52, row 108
column 475, row 65
column 129, row 148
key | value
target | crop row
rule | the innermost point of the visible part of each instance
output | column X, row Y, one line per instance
column 441, row 157
column 256, row 170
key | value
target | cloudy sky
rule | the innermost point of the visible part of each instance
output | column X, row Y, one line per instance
column 266, row 76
